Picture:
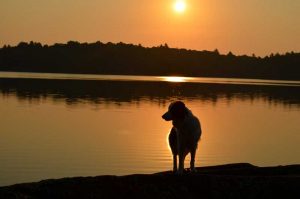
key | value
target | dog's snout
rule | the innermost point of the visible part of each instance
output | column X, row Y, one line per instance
column 167, row 116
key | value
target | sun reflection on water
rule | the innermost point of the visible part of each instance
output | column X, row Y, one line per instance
column 175, row 79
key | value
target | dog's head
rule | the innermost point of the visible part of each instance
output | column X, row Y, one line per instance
column 176, row 111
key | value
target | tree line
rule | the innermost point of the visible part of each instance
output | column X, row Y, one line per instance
column 129, row 59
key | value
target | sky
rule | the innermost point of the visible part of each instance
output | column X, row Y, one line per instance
column 249, row 27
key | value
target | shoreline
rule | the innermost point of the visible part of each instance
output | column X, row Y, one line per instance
column 239, row 180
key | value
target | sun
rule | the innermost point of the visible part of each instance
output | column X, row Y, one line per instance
column 179, row 6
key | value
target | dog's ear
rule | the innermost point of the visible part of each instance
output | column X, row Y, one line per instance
column 178, row 110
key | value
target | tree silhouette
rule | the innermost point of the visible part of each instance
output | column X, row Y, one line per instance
column 129, row 59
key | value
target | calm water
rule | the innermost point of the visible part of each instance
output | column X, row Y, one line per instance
column 58, row 125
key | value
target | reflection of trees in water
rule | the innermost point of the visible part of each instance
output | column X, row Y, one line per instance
column 116, row 92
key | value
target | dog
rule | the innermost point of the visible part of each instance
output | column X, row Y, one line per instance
column 184, row 135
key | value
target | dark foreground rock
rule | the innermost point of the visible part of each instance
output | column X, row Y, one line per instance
column 226, row 181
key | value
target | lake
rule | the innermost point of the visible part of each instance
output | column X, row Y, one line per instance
column 64, row 125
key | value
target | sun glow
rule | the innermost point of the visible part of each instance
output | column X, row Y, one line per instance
column 179, row 6
column 175, row 79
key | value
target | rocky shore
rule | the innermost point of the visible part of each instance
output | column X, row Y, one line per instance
column 240, row 180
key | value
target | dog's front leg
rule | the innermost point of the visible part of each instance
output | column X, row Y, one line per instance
column 181, row 163
column 192, row 163
column 174, row 163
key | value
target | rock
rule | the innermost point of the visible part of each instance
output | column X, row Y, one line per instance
column 225, row 181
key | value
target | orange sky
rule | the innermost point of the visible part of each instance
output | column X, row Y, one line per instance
column 243, row 27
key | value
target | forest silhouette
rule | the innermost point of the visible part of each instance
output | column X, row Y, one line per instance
column 129, row 59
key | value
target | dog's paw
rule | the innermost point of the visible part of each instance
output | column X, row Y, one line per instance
column 179, row 172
